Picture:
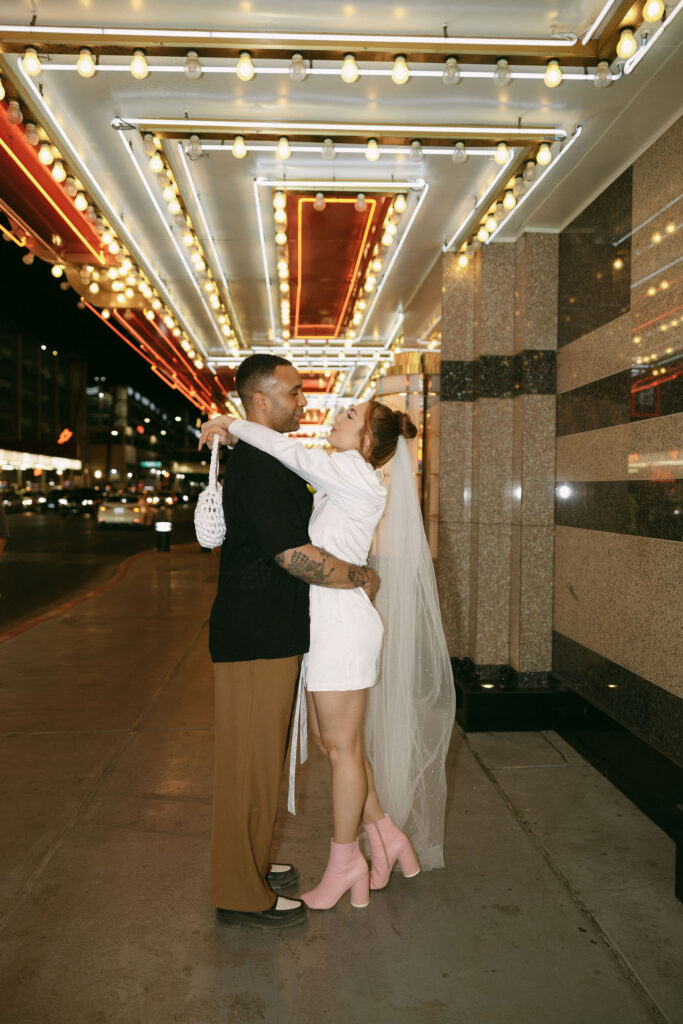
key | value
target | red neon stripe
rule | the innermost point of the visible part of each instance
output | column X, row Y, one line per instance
column 100, row 259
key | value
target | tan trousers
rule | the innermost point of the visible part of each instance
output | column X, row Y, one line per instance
column 254, row 702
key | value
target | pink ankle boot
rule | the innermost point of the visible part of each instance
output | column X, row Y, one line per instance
column 388, row 845
column 346, row 869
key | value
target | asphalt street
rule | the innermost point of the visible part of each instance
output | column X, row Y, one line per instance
column 50, row 558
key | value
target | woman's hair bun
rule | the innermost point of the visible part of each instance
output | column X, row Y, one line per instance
column 406, row 427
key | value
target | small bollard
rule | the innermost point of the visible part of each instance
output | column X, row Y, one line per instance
column 163, row 532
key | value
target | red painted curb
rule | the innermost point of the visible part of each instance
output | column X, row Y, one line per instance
column 116, row 578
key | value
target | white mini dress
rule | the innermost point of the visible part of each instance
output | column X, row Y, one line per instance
column 346, row 628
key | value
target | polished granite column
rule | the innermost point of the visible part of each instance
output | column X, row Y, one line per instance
column 533, row 469
column 455, row 462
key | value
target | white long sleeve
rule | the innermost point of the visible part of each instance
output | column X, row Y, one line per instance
column 345, row 476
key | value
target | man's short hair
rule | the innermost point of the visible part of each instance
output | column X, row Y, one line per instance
column 253, row 374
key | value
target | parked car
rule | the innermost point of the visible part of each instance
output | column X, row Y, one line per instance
column 33, row 501
column 125, row 510
column 81, row 501
column 11, row 501
column 52, row 499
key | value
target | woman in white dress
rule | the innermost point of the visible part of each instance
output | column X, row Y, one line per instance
column 343, row 661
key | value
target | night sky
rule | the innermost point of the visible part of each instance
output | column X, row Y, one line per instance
column 35, row 305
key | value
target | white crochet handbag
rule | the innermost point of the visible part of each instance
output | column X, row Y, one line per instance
column 209, row 521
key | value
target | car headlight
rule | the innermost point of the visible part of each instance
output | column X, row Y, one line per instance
column 63, row 501
column 41, row 501
column 27, row 501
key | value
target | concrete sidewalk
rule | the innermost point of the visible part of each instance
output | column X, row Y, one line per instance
column 556, row 906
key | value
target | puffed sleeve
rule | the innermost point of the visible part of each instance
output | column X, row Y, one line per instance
column 345, row 476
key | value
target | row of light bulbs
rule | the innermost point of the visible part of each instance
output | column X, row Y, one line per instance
column 374, row 267
column 499, row 210
column 373, row 152
column 122, row 278
column 171, row 195
column 349, row 71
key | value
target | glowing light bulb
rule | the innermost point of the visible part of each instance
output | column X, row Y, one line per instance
column 57, row 270
column 459, row 153
column 451, row 73
column 138, row 66
column 370, row 282
column 14, row 114
column 627, row 44
column 372, row 152
column 81, row 202
column 46, row 156
column 281, row 238
column 653, row 10
column 283, row 150
column 93, row 288
column 328, row 151
column 156, row 164
column 482, row 234
column 387, row 239
column 502, row 75
column 279, row 200
column 509, row 200
column 400, row 73
column 604, row 76
column 400, row 203
column 462, row 259
column 2, row 90
column 349, row 69
column 192, row 67
column 239, row 147
column 85, row 65
column 491, row 224
column 30, row 62
column 58, row 171
column 297, row 70
column 553, row 74
column 31, row 134
column 245, row 68
column 544, row 155
column 502, row 154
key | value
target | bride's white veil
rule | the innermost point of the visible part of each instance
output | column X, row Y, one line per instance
column 411, row 710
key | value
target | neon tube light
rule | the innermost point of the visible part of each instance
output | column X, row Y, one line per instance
column 633, row 61
column 264, row 255
column 55, row 206
column 85, row 175
column 417, row 184
column 169, row 232
column 485, row 201
column 328, row 128
column 592, row 29
column 297, row 39
column 529, row 191
column 217, row 265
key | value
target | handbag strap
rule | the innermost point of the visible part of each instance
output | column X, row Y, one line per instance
column 213, row 468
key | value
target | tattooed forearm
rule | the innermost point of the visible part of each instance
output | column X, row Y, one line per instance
column 318, row 567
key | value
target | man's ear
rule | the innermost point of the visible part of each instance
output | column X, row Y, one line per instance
column 260, row 401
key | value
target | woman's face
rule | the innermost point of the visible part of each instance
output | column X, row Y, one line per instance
column 347, row 430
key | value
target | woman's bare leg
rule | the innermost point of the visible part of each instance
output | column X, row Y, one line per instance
column 372, row 811
column 340, row 716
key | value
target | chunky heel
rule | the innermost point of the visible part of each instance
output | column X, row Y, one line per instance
column 360, row 892
column 346, row 869
column 410, row 866
column 388, row 845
